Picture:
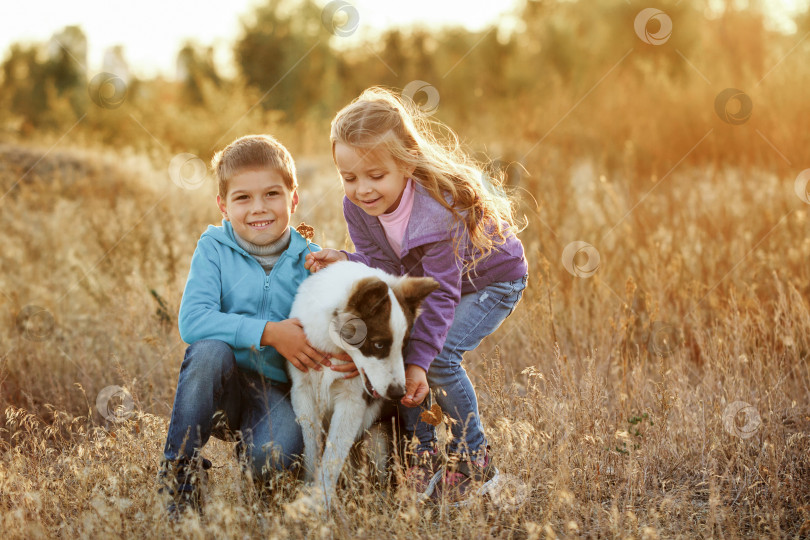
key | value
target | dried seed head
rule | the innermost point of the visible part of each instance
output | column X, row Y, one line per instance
column 306, row 231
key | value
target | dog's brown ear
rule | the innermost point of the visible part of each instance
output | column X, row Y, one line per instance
column 411, row 291
column 369, row 298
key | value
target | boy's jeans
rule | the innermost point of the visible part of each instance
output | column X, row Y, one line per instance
column 478, row 315
column 209, row 382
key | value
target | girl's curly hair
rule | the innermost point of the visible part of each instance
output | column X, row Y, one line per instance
column 381, row 120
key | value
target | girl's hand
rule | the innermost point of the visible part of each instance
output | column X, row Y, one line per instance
column 323, row 258
column 289, row 339
column 416, row 386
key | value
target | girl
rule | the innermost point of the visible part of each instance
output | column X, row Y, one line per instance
column 416, row 206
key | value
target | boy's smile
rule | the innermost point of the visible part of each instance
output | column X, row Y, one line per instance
column 260, row 225
column 258, row 205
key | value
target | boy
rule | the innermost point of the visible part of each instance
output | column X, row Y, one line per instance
column 243, row 277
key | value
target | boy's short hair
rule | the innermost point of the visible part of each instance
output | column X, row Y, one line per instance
column 253, row 152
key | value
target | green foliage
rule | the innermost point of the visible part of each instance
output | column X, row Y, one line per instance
column 23, row 89
column 571, row 75
column 34, row 82
column 284, row 52
column 195, row 67
column 163, row 311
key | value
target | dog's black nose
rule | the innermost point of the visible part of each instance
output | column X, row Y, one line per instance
column 395, row 392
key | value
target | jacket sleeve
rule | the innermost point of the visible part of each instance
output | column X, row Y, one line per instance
column 200, row 309
column 367, row 251
column 438, row 310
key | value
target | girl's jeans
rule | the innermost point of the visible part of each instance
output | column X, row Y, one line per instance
column 478, row 315
column 259, row 408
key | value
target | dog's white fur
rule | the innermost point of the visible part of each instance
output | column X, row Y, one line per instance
column 323, row 304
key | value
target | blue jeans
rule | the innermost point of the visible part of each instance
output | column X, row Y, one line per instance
column 258, row 408
column 478, row 315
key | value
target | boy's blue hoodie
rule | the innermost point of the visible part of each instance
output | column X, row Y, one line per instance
column 229, row 297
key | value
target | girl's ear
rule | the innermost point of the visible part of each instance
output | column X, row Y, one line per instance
column 409, row 168
column 222, row 208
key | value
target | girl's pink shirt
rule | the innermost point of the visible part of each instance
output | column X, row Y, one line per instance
column 395, row 223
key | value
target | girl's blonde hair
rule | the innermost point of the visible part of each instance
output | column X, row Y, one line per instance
column 380, row 120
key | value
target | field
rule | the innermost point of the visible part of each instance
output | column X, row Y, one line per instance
column 653, row 383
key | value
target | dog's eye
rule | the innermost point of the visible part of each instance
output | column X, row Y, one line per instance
column 378, row 345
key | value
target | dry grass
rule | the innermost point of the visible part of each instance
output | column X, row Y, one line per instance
column 610, row 398
column 605, row 395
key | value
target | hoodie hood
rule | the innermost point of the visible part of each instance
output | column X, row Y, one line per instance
column 224, row 235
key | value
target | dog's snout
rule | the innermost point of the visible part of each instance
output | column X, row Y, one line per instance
column 395, row 392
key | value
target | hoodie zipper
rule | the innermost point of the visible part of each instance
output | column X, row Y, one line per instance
column 265, row 306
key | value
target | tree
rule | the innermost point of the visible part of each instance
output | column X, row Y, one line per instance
column 284, row 51
column 36, row 78
column 195, row 67
column 23, row 90
column 66, row 66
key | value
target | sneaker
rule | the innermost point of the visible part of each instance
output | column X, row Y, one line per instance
column 464, row 478
column 423, row 474
column 182, row 482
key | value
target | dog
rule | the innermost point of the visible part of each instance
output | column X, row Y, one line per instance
column 367, row 313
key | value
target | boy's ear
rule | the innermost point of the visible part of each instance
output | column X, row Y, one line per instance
column 221, row 206
column 294, row 201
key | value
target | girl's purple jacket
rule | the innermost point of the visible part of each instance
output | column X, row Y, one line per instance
column 427, row 250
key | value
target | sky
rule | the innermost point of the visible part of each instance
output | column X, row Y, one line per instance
column 152, row 31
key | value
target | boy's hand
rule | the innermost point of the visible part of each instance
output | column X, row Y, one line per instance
column 323, row 258
column 349, row 369
column 416, row 386
column 289, row 339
